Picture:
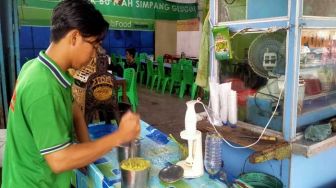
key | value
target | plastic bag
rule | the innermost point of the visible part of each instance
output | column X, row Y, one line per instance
column 317, row 132
column 222, row 43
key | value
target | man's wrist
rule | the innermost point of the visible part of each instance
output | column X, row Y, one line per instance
column 118, row 138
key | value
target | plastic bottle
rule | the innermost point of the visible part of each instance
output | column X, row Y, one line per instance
column 213, row 154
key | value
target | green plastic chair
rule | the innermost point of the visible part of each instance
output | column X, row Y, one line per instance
column 175, row 78
column 142, row 58
column 120, row 58
column 113, row 59
column 131, row 88
column 151, row 73
column 188, row 79
column 122, row 64
column 161, row 78
column 139, row 72
column 182, row 61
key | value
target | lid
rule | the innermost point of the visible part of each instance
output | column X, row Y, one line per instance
column 171, row 173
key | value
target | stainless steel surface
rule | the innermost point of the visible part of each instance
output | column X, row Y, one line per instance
column 171, row 174
column 129, row 150
column 135, row 178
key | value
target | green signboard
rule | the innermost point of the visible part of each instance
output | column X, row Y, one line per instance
column 129, row 15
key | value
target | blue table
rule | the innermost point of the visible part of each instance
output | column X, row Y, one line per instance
column 168, row 65
column 155, row 146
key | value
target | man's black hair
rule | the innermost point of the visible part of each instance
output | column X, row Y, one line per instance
column 131, row 51
column 77, row 14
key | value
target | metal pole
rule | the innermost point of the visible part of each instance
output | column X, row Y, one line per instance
column 292, row 72
column 16, row 37
column 213, row 62
column 9, row 37
column 3, row 93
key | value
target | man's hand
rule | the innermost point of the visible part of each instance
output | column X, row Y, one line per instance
column 82, row 154
column 129, row 127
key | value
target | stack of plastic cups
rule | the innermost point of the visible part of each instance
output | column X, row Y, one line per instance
column 233, row 108
column 214, row 101
column 224, row 90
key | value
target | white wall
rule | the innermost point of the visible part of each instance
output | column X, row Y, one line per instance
column 165, row 37
column 188, row 42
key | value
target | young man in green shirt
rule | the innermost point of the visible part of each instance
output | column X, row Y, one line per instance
column 39, row 149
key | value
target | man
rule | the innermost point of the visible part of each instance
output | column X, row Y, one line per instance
column 39, row 149
column 130, row 61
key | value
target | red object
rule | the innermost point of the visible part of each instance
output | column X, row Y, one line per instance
column 243, row 95
column 312, row 86
column 170, row 58
column 236, row 84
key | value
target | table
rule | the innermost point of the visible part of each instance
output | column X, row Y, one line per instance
column 167, row 65
column 178, row 57
column 156, row 147
column 264, row 150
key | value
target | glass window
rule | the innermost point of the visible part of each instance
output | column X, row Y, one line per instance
column 256, row 72
column 233, row 10
column 326, row 8
column 317, row 90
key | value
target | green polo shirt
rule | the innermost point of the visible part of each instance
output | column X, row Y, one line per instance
column 39, row 122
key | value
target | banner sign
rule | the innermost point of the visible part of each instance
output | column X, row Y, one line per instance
column 182, row 1
column 128, row 14
column 187, row 25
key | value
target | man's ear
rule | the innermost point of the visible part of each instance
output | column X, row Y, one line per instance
column 73, row 37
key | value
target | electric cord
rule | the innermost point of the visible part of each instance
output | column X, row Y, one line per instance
column 264, row 30
column 272, row 97
column 229, row 2
column 262, row 133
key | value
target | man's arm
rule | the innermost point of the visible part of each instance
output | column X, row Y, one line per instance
column 81, row 130
column 79, row 155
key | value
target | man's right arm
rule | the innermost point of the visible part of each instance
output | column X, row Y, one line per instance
column 79, row 155
column 82, row 133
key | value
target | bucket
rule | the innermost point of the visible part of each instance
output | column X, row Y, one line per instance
column 135, row 172
column 242, row 100
column 129, row 150
column 260, row 180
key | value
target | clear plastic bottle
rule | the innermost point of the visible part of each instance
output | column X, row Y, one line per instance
column 213, row 153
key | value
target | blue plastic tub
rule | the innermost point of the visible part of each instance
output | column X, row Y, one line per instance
column 98, row 131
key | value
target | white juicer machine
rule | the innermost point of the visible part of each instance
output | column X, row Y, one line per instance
column 193, row 164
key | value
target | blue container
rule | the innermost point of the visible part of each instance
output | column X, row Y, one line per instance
column 98, row 131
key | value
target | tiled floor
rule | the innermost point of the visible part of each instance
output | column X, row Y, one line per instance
column 163, row 111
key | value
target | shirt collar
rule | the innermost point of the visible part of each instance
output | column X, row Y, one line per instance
column 63, row 77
